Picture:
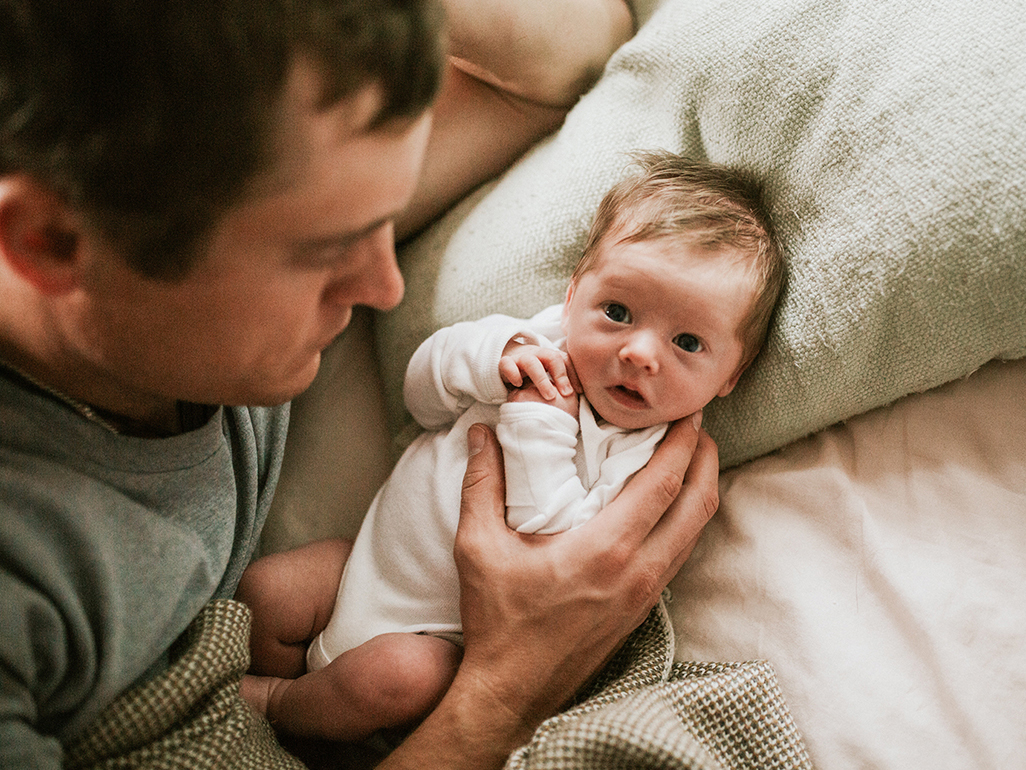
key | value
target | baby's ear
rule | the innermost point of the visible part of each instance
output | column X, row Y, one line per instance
column 566, row 305
column 570, row 292
column 728, row 386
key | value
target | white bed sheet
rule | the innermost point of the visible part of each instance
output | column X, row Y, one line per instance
column 880, row 566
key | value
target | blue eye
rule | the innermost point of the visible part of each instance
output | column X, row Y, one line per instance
column 687, row 342
column 617, row 313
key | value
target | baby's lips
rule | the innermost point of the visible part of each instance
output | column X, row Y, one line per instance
column 632, row 393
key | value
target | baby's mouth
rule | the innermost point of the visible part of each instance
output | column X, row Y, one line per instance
column 627, row 395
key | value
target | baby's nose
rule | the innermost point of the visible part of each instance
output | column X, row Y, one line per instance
column 642, row 350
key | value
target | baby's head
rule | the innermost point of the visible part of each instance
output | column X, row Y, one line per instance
column 674, row 293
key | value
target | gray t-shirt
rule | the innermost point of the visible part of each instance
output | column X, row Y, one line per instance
column 109, row 547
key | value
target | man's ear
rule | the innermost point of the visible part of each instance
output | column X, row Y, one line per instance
column 38, row 235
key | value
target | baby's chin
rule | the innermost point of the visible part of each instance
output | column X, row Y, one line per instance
column 641, row 420
column 624, row 422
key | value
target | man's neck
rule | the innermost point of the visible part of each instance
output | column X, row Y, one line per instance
column 87, row 392
column 38, row 341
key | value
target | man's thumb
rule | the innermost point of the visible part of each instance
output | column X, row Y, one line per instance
column 484, row 489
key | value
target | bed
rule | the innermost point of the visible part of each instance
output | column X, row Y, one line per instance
column 871, row 539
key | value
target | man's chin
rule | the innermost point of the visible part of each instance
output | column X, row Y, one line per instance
column 284, row 389
column 299, row 384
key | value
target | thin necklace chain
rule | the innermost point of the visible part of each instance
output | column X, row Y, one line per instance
column 83, row 409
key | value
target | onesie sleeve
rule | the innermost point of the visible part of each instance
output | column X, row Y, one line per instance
column 544, row 492
column 458, row 366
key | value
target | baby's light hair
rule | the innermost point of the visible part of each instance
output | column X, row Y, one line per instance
column 716, row 206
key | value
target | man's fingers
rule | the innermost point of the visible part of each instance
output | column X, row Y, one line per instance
column 669, row 544
column 647, row 496
column 677, row 532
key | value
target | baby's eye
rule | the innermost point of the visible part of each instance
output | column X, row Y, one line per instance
column 617, row 313
column 687, row 342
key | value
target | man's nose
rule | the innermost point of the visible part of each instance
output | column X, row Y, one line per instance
column 381, row 283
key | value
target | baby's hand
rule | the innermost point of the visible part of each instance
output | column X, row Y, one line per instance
column 549, row 370
column 530, row 392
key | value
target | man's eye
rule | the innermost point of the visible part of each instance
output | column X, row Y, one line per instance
column 617, row 313
column 687, row 342
column 322, row 256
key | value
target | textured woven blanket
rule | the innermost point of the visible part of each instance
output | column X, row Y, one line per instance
column 647, row 712
column 890, row 136
column 643, row 711
column 191, row 717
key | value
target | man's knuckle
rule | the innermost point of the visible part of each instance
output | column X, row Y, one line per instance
column 472, row 480
column 646, row 588
column 667, row 487
column 711, row 502
column 616, row 558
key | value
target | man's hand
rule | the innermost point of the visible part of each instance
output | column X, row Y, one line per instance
column 542, row 613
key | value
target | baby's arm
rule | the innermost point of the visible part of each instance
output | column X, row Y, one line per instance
column 539, row 441
column 538, row 431
column 544, row 493
column 458, row 366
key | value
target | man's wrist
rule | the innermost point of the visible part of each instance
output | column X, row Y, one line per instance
column 470, row 728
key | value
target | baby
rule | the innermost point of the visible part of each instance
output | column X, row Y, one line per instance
column 668, row 306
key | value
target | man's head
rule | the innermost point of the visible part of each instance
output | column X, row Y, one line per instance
column 194, row 214
column 671, row 300
column 151, row 119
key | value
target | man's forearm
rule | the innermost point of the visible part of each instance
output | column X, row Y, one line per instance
column 513, row 74
column 523, row 47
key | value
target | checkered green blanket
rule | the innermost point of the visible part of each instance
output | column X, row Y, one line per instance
column 643, row 711
column 192, row 716
column 646, row 711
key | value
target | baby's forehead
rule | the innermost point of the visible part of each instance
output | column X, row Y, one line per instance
column 680, row 250
column 667, row 263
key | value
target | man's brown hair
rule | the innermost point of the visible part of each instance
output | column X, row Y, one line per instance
column 150, row 118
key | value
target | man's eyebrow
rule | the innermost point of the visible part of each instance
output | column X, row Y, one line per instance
column 340, row 240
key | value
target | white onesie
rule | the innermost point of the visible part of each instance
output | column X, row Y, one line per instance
column 559, row 473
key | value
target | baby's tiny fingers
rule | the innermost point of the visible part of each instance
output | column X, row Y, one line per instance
column 546, row 387
column 510, row 372
column 539, row 375
column 555, row 366
column 565, row 387
column 549, row 390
